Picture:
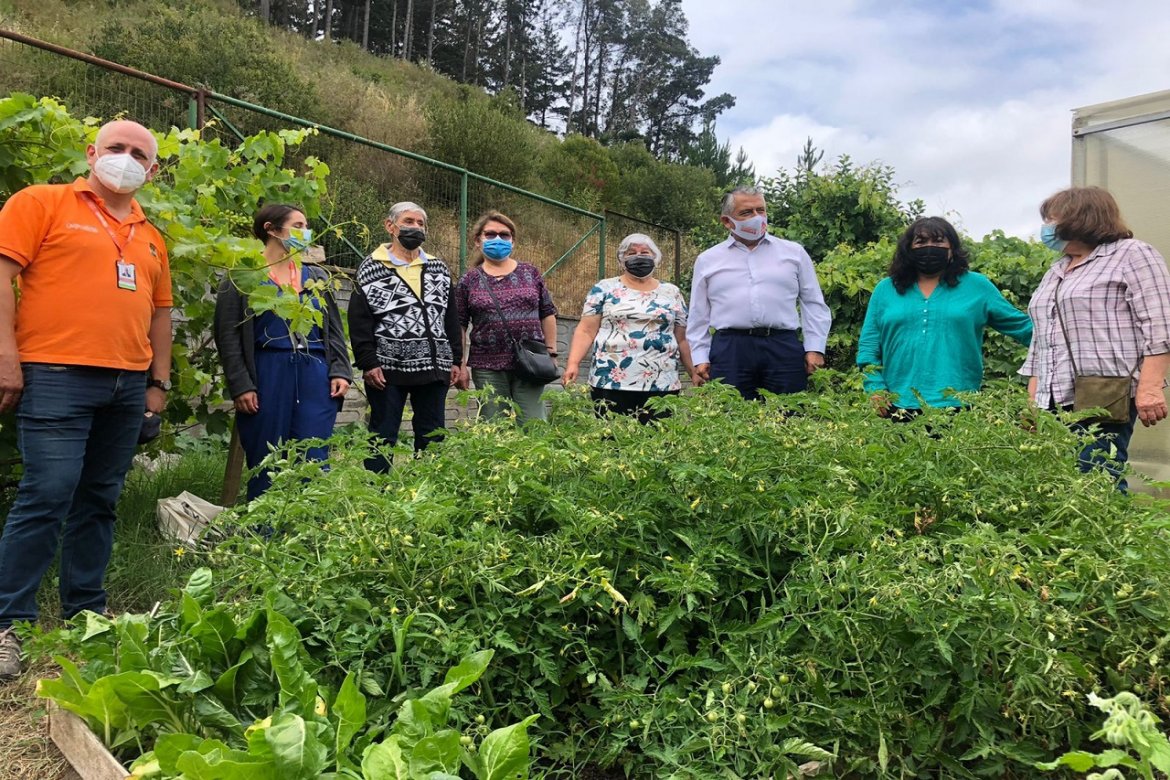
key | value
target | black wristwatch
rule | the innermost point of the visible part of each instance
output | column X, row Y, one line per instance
column 161, row 384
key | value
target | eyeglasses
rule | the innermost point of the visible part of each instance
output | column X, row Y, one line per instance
column 504, row 234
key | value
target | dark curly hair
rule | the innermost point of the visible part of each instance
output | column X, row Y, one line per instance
column 902, row 269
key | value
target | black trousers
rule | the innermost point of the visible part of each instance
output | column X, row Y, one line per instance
column 429, row 403
column 628, row 402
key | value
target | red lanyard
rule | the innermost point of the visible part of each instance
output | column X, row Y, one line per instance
column 120, row 245
column 294, row 279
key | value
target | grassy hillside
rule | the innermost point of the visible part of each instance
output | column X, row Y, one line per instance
column 212, row 44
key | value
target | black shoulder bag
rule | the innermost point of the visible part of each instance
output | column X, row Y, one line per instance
column 533, row 363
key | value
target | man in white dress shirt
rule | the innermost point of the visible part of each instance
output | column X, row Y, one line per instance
column 749, row 297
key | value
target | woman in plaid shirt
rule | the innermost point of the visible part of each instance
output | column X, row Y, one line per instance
column 1113, row 294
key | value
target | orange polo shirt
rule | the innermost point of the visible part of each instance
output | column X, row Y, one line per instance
column 71, row 309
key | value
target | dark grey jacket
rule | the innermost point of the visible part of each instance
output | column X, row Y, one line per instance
column 236, row 340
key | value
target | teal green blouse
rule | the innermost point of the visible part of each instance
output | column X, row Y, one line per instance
column 913, row 346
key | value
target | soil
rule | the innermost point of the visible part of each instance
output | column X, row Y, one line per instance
column 24, row 736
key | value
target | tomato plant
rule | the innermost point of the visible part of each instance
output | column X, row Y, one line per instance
column 737, row 589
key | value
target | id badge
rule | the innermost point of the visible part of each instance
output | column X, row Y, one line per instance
column 126, row 277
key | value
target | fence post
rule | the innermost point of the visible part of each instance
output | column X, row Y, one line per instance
column 601, row 250
column 677, row 256
column 463, row 224
column 193, row 111
column 200, row 108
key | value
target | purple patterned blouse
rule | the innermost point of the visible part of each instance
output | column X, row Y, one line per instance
column 524, row 300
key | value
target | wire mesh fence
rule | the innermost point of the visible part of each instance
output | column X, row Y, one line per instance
column 571, row 246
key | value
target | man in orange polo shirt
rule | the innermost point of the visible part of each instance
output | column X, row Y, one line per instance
column 84, row 350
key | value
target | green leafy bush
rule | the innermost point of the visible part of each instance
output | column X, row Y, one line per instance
column 205, row 691
column 198, row 44
column 579, row 171
column 846, row 204
column 1128, row 724
column 483, row 135
column 738, row 588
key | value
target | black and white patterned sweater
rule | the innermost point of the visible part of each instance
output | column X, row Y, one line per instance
column 413, row 340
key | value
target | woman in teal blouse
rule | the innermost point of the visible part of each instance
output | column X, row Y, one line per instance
column 923, row 334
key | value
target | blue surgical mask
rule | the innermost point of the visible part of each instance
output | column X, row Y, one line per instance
column 1049, row 239
column 299, row 239
column 497, row 249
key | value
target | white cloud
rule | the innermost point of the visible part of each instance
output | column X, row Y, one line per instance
column 969, row 102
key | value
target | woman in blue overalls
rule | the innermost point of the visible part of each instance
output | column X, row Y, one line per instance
column 285, row 385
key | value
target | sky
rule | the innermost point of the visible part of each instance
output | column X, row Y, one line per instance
column 970, row 102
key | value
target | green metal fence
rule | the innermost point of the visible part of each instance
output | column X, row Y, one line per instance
column 572, row 246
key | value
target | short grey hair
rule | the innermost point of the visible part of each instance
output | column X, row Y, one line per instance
column 639, row 238
column 751, row 191
column 398, row 209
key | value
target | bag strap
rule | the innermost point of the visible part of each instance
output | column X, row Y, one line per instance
column 499, row 309
column 1068, row 341
column 1063, row 327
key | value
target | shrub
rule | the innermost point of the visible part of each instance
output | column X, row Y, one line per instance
column 485, row 136
column 199, row 45
column 579, row 171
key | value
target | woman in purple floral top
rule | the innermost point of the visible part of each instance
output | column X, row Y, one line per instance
column 527, row 308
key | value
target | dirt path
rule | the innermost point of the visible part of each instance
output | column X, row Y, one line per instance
column 24, row 739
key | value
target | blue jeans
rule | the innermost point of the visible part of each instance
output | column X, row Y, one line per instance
column 1115, row 436
column 77, row 428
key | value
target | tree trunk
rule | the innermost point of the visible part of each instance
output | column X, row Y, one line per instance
column 430, row 34
column 586, row 69
column 329, row 20
column 573, row 77
column 366, row 28
column 265, row 10
column 602, row 51
column 409, row 33
column 394, row 30
column 507, row 44
column 478, row 44
column 466, row 42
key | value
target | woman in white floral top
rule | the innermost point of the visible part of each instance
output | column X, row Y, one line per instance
column 637, row 328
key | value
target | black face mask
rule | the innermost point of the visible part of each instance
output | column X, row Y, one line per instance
column 930, row 260
column 639, row 266
column 411, row 238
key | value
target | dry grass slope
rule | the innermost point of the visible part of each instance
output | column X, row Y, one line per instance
column 24, row 739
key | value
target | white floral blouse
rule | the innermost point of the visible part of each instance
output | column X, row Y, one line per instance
column 635, row 348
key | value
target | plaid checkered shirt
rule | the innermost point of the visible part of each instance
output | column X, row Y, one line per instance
column 1116, row 308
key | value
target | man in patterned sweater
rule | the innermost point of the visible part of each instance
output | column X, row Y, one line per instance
column 405, row 332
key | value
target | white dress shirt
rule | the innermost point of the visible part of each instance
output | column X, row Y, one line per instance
column 738, row 287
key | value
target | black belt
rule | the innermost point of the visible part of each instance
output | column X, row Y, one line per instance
column 755, row 331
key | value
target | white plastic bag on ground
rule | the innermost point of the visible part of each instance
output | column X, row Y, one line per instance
column 187, row 519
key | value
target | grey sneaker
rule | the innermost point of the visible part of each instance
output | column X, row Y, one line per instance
column 9, row 654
